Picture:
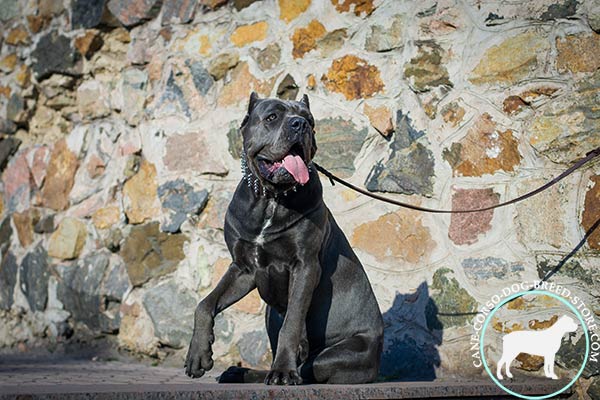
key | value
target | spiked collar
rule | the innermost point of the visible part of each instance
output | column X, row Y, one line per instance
column 254, row 183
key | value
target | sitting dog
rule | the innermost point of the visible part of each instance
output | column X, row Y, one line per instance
column 323, row 320
column 540, row 343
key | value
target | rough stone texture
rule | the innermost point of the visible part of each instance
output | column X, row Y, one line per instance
column 190, row 149
column 450, row 304
column 24, row 224
column 291, row 9
column 59, row 177
column 566, row 130
column 339, row 143
column 268, row 57
column 92, row 100
column 45, row 225
column 591, row 211
column 178, row 11
column 410, row 166
column 511, row 60
column 68, row 240
column 17, row 36
column 305, row 39
column 140, row 194
column 287, row 89
column 242, row 84
column 54, row 54
column 171, row 309
column 149, row 253
column 484, row 150
column 88, row 43
column 251, row 303
column 8, row 147
column 86, row 13
column 453, row 113
column 401, row 236
column 426, row 71
column 134, row 12
column 382, row 38
column 182, row 200
column 222, row 63
column 33, row 276
column 353, row 77
column 106, row 217
column 8, row 279
column 483, row 269
column 246, row 34
column 359, row 7
column 253, row 347
column 466, row 228
column 380, row 118
column 576, row 53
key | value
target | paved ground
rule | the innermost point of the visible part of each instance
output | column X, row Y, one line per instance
column 64, row 378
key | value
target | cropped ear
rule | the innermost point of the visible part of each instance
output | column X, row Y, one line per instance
column 305, row 101
column 253, row 102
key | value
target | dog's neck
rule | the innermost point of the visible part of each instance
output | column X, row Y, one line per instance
column 255, row 185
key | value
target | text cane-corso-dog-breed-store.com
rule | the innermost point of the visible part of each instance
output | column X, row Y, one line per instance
column 323, row 321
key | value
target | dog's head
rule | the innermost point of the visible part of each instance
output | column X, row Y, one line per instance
column 279, row 141
column 566, row 324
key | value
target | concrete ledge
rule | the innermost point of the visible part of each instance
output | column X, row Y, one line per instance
column 396, row 390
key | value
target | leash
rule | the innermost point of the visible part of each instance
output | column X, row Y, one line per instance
column 332, row 178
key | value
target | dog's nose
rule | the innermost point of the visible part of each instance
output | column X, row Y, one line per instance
column 297, row 124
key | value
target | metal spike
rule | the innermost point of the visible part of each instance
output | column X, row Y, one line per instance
column 264, row 191
column 295, row 188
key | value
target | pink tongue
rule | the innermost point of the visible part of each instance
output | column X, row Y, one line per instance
column 295, row 166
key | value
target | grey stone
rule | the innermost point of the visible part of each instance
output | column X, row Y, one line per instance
column 86, row 13
column 287, row 89
column 202, row 79
column 571, row 355
column 9, row 9
column 8, row 279
column 178, row 11
column 339, row 143
column 253, row 346
column 90, row 300
column 482, row 269
column 54, row 54
column 571, row 268
column 16, row 109
column 8, row 127
column 172, row 100
column 171, row 309
column 223, row 328
column 410, row 167
column 181, row 198
column 135, row 82
column 5, row 235
column 594, row 389
column 594, row 21
column 134, row 12
column 268, row 57
column 8, row 147
column 222, row 63
column 45, row 225
column 382, row 39
column 560, row 10
column 236, row 146
column 34, row 275
column 241, row 4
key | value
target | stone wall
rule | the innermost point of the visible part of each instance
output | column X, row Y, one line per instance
column 120, row 152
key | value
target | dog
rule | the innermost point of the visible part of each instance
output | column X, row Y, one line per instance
column 543, row 343
column 323, row 321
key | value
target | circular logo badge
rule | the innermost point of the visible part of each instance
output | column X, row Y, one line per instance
column 538, row 342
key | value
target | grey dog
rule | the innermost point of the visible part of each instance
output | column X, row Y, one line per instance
column 323, row 321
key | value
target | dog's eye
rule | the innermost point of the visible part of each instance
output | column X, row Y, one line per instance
column 271, row 117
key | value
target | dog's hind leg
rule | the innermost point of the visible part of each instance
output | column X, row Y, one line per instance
column 499, row 368
column 549, row 366
column 352, row 360
column 243, row 375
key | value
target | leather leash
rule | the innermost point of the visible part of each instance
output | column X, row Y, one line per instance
column 332, row 178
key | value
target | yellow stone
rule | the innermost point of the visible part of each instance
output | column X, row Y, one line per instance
column 140, row 194
column 106, row 217
column 399, row 235
column 354, row 77
column 251, row 303
column 8, row 63
column 68, row 240
column 205, row 45
column 511, row 60
column 249, row 33
column 578, row 53
column 305, row 39
column 291, row 9
column 242, row 84
column 23, row 76
column 380, row 118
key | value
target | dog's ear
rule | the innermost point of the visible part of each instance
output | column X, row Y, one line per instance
column 305, row 101
column 252, row 102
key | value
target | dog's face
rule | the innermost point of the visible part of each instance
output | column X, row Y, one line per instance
column 567, row 324
column 279, row 141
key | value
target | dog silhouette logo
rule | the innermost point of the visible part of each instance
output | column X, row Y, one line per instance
column 543, row 343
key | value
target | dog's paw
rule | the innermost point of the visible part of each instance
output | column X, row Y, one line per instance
column 509, row 375
column 500, row 377
column 553, row 376
column 283, row 377
column 199, row 358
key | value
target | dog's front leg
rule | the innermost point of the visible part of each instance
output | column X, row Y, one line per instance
column 303, row 280
column 233, row 286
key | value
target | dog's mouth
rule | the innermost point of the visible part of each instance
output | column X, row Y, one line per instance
column 292, row 163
